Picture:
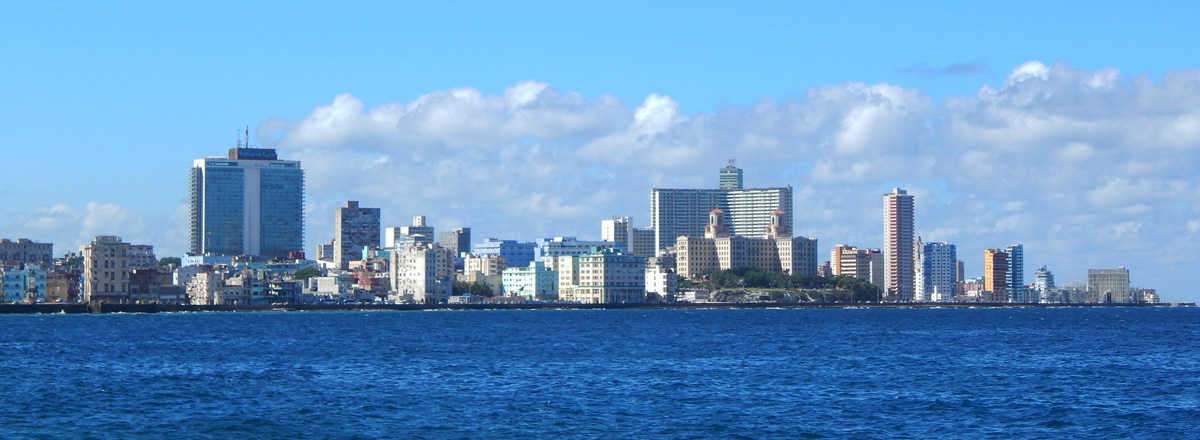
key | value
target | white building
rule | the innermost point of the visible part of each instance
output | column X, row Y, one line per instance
column 634, row 241
column 534, row 282
column 602, row 277
column 422, row 274
column 402, row 236
column 661, row 279
column 937, row 271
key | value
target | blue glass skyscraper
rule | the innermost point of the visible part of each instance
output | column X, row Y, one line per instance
column 250, row 203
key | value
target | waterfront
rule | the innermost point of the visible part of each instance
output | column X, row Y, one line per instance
column 676, row 373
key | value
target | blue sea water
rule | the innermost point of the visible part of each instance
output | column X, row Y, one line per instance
column 663, row 374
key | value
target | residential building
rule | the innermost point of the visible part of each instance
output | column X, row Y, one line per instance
column 25, row 251
column 356, row 228
column 1015, row 279
column 25, row 283
column 422, row 273
column 602, row 277
column 995, row 275
column 417, row 234
column 247, row 203
column 1109, row 285
column 720, row 249
column 486, row 265
column 854, row 262
column 106, row 269
column 515, row 253
column 141, row 256
column 1043, row 279
column 938, row 268
column 559, row 246
column 458, row 240
column 634, row 241
column 534, row 282
column 898, row 244
column 661, row 280
column 676, row 212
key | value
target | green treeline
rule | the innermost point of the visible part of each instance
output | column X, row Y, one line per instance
column 843, row 288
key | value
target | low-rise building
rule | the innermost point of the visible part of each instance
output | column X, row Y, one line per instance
column 534, row 282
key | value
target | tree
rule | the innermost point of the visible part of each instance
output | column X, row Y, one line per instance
column 306, row 273
column 169, row 261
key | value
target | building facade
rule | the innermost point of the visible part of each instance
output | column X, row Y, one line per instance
column 731, row 177
column 603, row 277
column 995, row 275
column 1109, row 285
column 458, row 240
column 513, row 252
column 356, row 228
column 676, row 212
column 249, row 203
column 898, row 235
column 25, row 251
column 417, row 234
column 106, row 269
column 422, row 273
column 720, row 249
column 534, row 282
column 939, row 270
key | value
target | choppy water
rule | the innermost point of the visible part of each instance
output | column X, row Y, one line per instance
column 671, row 374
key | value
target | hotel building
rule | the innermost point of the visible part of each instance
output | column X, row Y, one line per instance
column 247, row 203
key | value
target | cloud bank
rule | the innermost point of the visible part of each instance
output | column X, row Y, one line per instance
column 1089, row 169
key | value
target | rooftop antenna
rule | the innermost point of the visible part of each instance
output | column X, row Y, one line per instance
column 247, row 136
column 239, row 139
column 731, row 161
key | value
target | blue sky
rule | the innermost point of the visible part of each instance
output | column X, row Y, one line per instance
column 532, row 119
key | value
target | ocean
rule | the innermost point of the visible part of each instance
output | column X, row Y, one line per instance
column 664, row 374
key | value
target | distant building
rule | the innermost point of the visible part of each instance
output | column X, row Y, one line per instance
column 25, row 283
column 141, row 256
column 534, row 282
column 854, row 262
column 458, row 240
column 634, row 241
column 356, row 228
column 422, row 273
column 719, row 249
column 247, row 203
column 1043, row 279
column 24, row 251
column 676, row 212
column 560, row 246
column 661, row 279
column 107, row 265
column 515, row 253
column 995, row 275
column 731, row 177
column 483, row 266
column 898, row 244
column 1109, row 285
column 1016, row 275
column 417, row 234
column 602, row 277
column 937, row 262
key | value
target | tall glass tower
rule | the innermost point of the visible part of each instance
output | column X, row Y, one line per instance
column 247, row 203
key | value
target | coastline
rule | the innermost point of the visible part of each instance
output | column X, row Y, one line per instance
column 83, row 308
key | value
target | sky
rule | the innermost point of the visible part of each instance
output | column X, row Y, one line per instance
column 1070, row 127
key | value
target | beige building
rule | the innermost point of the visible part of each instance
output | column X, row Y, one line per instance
column 776, row 251
column 422, row 273
column 898, row 235
column 106, row 269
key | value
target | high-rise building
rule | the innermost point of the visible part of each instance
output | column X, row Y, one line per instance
column 938, row 271
column 357, row 227
column 1109, row 285
column 1016, row 273
column 678, row 212
column 995, row 274
column 898, row 244
column 458, row 240
column 247, row 203
column 731, row 177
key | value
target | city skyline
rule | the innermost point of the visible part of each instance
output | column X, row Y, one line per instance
column 1074, row 140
